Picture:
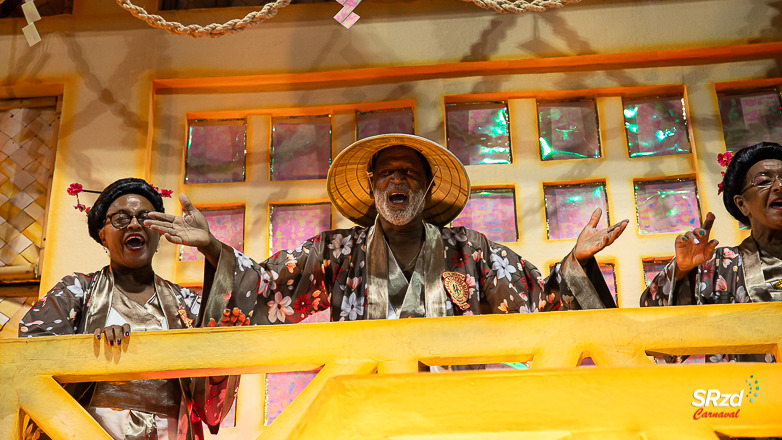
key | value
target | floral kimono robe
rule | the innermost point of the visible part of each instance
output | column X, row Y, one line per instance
column 739, row 274
column 458, row 272
column 141, row 409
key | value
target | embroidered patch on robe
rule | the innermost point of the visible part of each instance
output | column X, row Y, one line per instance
column 456, row 286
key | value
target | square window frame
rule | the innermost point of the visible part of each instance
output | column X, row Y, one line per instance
column 300, row 203
column 512, row 189
column 384, row 110
column 655, row 260
column 203, row 208
column 510, row 135
column 330, row 115
column 187, row 147
column 744, row 91
column 565, row 185
column 687, row 123
column 538, row 102
column 692, row 178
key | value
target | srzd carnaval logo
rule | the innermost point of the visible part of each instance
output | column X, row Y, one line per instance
column 705, row 400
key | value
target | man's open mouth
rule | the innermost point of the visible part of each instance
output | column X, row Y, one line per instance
column 776, row 204
column 135, row 241
column 397, row 197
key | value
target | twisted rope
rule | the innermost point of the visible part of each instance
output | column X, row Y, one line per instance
column 521, row 6
column 213, row 30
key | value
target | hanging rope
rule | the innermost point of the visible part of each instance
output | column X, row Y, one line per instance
column 213, row 30
column 521, row 6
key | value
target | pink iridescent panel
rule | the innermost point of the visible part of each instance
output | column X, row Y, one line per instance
column 751, row 118
column 652, row 268
column 656, row 127
column 384, row 122
column 667, row 207
column 292, row 225
column 609, row 274
column 282, row 388
column 479, row 133
column 569, row 208
column 492, row 212
column 568, row 130
column 227, row 225
column 215, row 151
column 301, row 148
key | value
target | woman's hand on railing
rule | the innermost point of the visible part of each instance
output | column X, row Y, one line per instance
column 113, row 334
column 230, row 318
column 694, row 248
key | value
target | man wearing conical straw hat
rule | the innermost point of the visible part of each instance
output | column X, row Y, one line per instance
column 402, row 261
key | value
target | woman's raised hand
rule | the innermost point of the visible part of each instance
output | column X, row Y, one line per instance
column 191, row 229
column 694, row 248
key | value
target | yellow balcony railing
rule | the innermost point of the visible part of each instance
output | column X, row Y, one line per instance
column 624, row 397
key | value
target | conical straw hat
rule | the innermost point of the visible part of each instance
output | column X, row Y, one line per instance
column 348, row 182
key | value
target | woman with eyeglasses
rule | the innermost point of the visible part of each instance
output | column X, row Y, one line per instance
column 702, row 273
column 124, row 297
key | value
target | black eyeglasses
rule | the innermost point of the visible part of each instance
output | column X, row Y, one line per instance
column 763, row 181
column 122, row 219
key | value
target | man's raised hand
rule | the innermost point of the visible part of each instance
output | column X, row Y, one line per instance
column 591, row 241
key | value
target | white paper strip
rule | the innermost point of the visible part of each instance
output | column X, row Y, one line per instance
column 31, row 34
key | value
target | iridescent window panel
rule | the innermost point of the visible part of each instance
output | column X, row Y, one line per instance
column 227, row 225
column 282, row 388
column 292, row 225
column 479, row 133
column 568, row 130
column 609, row 274
column 653, row 267
column 569, row 208
column 656, row 127
column 216, row 151
column 492, row 212
column 751, row 118
column 301, row 148
column 384, row 122
column 667, row 206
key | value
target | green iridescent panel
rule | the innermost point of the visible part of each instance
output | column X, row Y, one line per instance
column 479, row 133
column 568, row 130
column 656, row 127
column 569, row 208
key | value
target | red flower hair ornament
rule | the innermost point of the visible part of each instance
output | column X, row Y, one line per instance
column 75, row 188
column 724, row 160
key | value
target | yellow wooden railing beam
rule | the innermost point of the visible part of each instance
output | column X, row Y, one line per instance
column 577, row 403
column 551, row 340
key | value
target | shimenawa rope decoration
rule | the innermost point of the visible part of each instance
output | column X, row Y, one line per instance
column 269, row 10
column 213, row 30
column 521, row 6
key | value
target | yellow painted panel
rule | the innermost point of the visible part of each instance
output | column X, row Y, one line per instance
column 617, row 340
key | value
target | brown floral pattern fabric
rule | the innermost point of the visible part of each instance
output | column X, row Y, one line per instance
column 717, row 281
column 63, row 311
column 329, row 270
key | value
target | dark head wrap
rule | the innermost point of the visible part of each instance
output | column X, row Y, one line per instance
column 97, row 215
column 735, row 175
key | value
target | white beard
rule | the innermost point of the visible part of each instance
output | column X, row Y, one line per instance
column 415, row 206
